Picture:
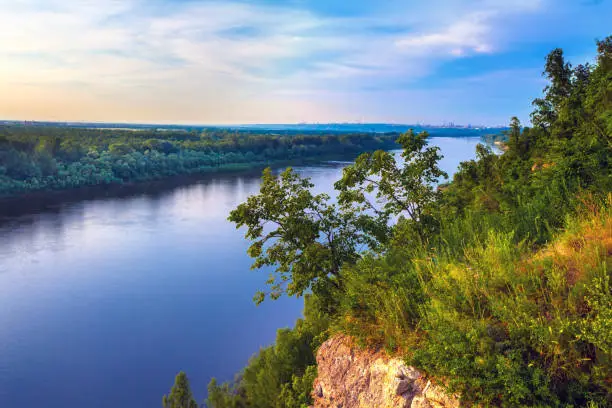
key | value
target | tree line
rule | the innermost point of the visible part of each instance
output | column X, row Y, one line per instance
column 35, row 158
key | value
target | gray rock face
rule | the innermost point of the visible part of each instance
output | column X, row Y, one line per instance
column 352, row 378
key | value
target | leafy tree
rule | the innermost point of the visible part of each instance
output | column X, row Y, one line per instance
column 559, row 73
column 119, row 149
column 300, row 233
column 376, row 184
column 308, row 238
column 180, row 395
column 224, row 396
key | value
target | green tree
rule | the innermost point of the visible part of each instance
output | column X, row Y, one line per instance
column 224, row 396
column 559, row 74
column 308, row 238
column 379, row 188
column 180, row 395
column 300, row 233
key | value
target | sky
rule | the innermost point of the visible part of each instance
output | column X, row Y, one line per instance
column 291, row 61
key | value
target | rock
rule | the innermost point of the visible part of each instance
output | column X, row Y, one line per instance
column 352, row 378
column 403, row 387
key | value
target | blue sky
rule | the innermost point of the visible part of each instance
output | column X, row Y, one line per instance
column 272, row 61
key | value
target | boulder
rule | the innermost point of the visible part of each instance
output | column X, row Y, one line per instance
column 349, row 377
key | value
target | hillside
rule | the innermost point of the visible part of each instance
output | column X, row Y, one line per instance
column 496, row 287
column 557, row 298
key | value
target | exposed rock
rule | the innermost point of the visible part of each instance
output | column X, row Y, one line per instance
column 352, row 378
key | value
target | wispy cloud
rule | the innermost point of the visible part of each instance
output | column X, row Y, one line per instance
column 472, row 33
column 230, row 61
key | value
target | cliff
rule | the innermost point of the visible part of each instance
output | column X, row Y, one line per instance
column 349, row 377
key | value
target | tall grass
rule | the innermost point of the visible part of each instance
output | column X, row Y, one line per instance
column 492, row 318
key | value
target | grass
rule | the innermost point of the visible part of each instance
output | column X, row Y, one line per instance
column 501, row 323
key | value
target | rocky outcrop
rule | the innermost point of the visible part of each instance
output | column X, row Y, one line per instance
column 349, row 377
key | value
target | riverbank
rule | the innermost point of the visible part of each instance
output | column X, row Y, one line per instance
column 36, row 201
column 34, row 159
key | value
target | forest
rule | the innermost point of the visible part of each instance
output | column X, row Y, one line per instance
column 40, row 158
column 497, row 284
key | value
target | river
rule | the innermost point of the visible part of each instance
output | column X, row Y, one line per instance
column 104, row 299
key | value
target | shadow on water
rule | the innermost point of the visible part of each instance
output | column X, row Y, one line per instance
column 20, row 209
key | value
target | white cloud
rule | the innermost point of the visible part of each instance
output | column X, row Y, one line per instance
column 221, row 61
column 474, row 29
column 472, row 33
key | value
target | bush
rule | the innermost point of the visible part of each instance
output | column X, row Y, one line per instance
column 280, row 376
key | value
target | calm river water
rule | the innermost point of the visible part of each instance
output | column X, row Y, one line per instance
column 103, row 300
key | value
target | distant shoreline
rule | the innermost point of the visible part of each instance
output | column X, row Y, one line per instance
column 29, row 202
column 60, row 161
column 270, row 127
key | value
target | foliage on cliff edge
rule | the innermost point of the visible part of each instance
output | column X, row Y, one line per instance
column 498, row 284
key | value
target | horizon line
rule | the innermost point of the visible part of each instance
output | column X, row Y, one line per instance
column 449, row 124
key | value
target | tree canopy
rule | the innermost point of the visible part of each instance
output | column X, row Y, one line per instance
column 37, row 158
column 308, row 237
column 180, row 395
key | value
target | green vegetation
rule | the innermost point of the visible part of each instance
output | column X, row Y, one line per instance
column 180, row 395
column 497, row 284
column 36, row 158
column 508, row 328
column 280, row 375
